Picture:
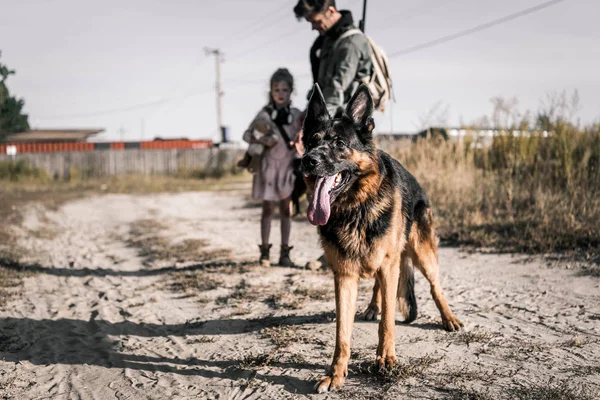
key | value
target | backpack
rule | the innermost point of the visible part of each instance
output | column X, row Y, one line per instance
column 380, row 83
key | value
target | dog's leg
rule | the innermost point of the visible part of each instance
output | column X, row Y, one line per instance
column 423, row 248
column 424, row 257
column 407, row 303
column 346, row 291
column 388, row 282
column 374, row 307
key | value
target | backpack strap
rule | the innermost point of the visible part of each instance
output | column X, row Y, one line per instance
column 280, row 127
column 348, row 33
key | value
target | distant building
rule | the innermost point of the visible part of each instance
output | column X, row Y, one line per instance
column 478, row 137
column 77, row 140
column 430, row 132
column 52, row 135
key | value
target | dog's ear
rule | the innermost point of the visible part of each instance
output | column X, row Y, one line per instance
column 360, row 106
column 316, row 112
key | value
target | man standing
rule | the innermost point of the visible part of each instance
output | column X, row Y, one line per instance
column 340, row 59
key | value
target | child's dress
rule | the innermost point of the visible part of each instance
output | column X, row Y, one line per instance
column 274, row 181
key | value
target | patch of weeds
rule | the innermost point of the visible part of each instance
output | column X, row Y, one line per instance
column 523, row 351
column 298, row 298
column 463, row 393
column 241, row 309
column 412, row 367
column 284, row 335
column 299, row 360
column 43, row 233
column 201, row 339
column 285, row 300
column 553, row 390
column 464, row 374
column 578, row 341
column 243, row 292
column 251, row 383
column 11, row 277
column 322, row 294
column 260, row 360
column 477, row 335
column 583, row 370
column 194, row 281
column 145, row 236
column 590, row 270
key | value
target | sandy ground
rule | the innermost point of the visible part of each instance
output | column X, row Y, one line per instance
column 160, row 297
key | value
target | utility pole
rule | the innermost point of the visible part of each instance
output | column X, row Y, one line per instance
column 217, row 53
column 122, row 133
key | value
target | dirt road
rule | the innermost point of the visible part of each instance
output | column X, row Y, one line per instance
column 159, row 297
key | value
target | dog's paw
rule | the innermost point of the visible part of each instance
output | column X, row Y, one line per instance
column 452, row 324
column 329, row 383
column 371, row 313
column 385, row 361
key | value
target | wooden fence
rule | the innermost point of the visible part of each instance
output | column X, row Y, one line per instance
column 95, row 164
column 51, row 147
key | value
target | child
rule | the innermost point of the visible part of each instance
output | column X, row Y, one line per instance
column 275, row 129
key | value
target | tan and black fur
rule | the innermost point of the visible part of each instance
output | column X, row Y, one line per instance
column 380, row 225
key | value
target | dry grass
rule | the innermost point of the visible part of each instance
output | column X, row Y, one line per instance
column 130, row 184
column 466, row 374
column 321, row 294
column 242, row 293
column 283, row 336
column 402, row 370
column 285, row 300
column 298, row 298
column 553, row 390
column 145, row 235
column 201, row 340
column 528, row 194
column 257, row 361
column 464, row 393
column 10, row 280
column 194, row 282
column 10, row 252
column 476, row 335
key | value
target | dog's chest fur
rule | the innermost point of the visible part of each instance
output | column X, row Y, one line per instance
column 361, row 236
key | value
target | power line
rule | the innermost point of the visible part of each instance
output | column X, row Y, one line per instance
column 265, row 81
column 133, row 107
column 419, row 11
column 261, row 46
column 477, row 28
column 195, row 66
column 415, row 12
column 165, row 99
column 398, row 53
column 266, row 19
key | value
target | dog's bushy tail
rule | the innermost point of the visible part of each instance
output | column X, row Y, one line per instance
column 407, row 303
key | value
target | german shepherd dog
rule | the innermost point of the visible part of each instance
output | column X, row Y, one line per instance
column 373, row 220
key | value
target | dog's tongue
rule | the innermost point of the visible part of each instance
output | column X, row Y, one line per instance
column 319, row 207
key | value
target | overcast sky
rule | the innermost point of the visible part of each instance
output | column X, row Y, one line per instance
column 78, row 61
